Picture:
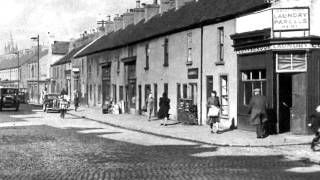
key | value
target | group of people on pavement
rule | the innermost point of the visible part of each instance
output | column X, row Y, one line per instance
column 164, row 104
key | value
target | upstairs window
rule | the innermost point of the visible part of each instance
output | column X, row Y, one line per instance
column 189, row 45
column 221, row 44
column 166, row 52
column 117, row 57
column 147, row 52
column 130, row 51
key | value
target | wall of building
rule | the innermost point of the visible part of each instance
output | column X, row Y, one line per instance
column 213, row 67
column 177, row 70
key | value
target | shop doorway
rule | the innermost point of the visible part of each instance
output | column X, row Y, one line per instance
column 140, row 99
column 291, row 102
column 285, row 102
column 155, row 87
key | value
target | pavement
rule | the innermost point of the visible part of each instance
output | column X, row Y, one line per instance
column 296, row 146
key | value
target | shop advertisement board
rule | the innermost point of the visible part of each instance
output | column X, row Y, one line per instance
column 291, row 19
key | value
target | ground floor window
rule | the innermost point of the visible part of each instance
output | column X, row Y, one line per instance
column 194, row 93
column 120, row 93
column 291, row 62
column 253, row 79
column 224, row 92
column 185, row 91
column 114, row 93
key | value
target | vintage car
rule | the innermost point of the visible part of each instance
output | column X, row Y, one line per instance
column 51, row 103
column 9, row 98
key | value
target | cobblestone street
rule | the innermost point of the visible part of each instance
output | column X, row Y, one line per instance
column 37, row 145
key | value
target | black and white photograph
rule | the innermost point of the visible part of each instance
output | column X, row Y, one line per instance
column 159, row 89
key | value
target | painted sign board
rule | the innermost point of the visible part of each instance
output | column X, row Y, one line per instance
column 290, row 19
column 193, row 73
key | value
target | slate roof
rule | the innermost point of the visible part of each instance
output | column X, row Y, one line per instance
column 13, row 63
column 67, row 58
column 60, row 47
column 189, row 16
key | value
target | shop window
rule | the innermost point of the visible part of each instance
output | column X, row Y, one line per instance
column 221, row 43
column 120, row 93
column 194, row 93
column 114, row 93
column 224, row 93
column 294, row 62
column 166, row 52
column 189, row 45
column 147, row 52
column 253, row 79
column 99, row 94
column 185, row 91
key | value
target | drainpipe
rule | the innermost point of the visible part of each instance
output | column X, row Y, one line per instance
column 201, row 73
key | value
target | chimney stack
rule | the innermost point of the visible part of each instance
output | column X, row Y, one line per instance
column 151, row 10
column 118, row 22
column 180, row 3
column 138, row 13
column 128, row 18
column 109, row 25
column 166, row 5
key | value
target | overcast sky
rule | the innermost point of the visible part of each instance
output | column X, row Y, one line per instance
column 64, row 19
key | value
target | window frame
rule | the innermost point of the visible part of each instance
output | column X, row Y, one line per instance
column 221, row 40
column 291, row 61
column 147, row 56
column 189, row 48
column 227, row 96
column 166, row 52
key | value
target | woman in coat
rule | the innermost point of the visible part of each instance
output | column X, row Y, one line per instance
column 150, row 104
column 164, row 108
column 214, row 111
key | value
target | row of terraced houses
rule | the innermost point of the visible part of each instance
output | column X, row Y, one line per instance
column 188, row 48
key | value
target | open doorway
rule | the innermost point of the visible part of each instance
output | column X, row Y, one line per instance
column 285, row 102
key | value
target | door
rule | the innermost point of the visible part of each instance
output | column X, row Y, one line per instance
column 299, row 103
column 209, row 88
column 284, row 102
column 155, row 86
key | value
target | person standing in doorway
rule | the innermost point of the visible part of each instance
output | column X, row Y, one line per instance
column 164, row 105
column 258, row 112
column 150, row 104
column 214, row 111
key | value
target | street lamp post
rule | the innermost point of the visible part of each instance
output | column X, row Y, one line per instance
column 17, row 53
column 38, row 83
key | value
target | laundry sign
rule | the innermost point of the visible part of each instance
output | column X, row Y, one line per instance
column 290, row 19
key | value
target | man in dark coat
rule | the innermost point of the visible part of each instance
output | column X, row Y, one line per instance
column 164, row 108
column 315, row 126
column 258, row 110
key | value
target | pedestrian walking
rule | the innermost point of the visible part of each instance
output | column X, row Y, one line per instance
column 258, row 112
column 150, row 104
column 63, row 103
column 315, row 126
column 76, row 99
column 164, row 105
column 214, row 112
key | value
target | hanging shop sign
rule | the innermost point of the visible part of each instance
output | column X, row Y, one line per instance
column 193, row 73
column 290, row 19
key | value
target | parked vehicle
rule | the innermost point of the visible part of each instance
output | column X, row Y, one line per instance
column 51, row 103
column 9, row 98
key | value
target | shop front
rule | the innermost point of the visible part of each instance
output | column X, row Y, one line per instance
column 286, row 70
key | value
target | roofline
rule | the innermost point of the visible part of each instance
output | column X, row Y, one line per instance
column 76, row 55
column 193, row 26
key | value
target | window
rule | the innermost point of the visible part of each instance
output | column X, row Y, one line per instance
column 147, row 89
column 99, row 94
column 189, row 44
column 296, row 62
column 165, row 88
column 130, row 51
column 166, row 52
column 147, row 52
column 89, row 69
column 221, row 43
column 185, row 91
column 194, row 93
column 98, row 69
column 253, row 79
column 224, row 92
column 120, row 93
column 117, row 57
column 114, row 92
column 90, row 91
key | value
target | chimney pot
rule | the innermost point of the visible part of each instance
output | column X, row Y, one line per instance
column 138, row 3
